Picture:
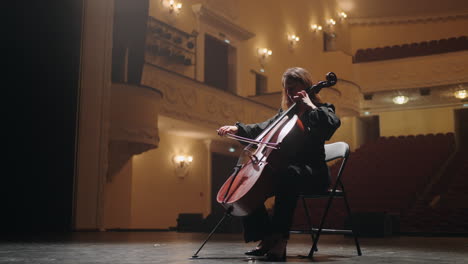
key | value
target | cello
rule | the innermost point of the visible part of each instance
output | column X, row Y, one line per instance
column 251, row 182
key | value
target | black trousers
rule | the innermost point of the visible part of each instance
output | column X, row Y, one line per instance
column 289, row 183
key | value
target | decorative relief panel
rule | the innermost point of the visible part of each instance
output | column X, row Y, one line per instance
column 189, row 100
column 345, row 96
column 413, row 73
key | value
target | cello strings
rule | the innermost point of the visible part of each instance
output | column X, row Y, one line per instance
column 248, row 140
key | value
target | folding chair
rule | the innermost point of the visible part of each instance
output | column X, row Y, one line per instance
column 333, row 151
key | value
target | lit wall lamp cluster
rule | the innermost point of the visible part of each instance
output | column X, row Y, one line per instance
column 182, row 164
column 342, row 15
column 293, row 40
column 331, row 22
column 173, row 6
column 263, row 55
column 316, row 27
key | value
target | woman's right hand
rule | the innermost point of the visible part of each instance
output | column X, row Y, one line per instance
column 227, row 130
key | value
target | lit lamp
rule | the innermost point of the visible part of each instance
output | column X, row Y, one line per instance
column 182, row 165
column 263, row 54
column 342, row 15
column 173, row 6
column 316, row 27
column 331, row 22
column 293, row 39
column 400, row 99
column 461, row 94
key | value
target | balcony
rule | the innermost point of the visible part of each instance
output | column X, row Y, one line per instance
column 199, row 107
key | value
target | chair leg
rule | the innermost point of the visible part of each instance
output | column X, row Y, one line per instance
column 322, row 221
column 358, row 247
column 309, row 221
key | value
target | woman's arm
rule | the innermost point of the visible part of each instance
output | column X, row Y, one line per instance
column 253, row 130
column 324, row 120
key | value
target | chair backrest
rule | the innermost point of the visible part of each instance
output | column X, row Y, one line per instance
column 336, row 150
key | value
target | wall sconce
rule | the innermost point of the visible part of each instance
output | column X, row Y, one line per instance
column 331, row 22
column 316, row 27
column 182, row 165
column 263, row 54
column 173, row 6
column 293, row 39
column 342, row 15
column 461, row 94
column 400, row 99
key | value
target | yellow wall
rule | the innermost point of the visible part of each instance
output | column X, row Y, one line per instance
column 118, row 197
column 272, row 21
column 413, row 122
column 158, row 195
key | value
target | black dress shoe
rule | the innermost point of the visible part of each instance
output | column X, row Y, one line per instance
column 256, row 252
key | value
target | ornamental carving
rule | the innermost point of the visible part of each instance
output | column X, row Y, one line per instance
column 189, row 100
column 189, row 97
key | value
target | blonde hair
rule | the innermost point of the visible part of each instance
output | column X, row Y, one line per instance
column 299, row 75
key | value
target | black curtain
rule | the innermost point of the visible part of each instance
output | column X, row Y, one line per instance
column 40, row 95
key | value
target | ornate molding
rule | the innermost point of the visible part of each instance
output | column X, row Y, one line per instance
column 345, row 95
column 404, row 19
column 194, row 102
column 215, row 19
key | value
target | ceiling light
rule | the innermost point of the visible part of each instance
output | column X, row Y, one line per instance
column 400, row 99
column 461, row 94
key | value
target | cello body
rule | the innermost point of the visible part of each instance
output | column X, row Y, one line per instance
column 247, row 188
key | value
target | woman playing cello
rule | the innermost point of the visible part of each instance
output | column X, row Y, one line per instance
column 306, row 169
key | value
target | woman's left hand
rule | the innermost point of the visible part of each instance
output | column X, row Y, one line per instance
column 303, row 97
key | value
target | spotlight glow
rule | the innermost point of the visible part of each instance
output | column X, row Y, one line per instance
column 400, row 99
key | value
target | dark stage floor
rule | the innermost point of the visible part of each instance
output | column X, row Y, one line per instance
column 174, row 247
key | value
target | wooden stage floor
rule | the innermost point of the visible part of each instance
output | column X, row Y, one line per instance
column 175, row 247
